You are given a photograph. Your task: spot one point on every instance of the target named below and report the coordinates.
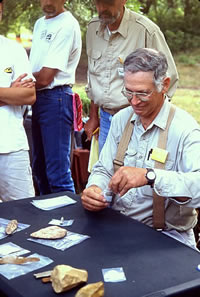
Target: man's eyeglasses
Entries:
(143, 96)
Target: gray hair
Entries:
(145, 60)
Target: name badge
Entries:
(120, 71)
(159, 155)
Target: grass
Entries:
(187, 95)
(189, 76)
(188, 100)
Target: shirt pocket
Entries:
(130, 158)
(94, 57)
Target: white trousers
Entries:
(16, 180)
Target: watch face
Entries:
(151, 175)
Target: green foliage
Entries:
(83, 11)
(174, 39)
(80, 89)
(133, 5)
(187, 60)
(188, 65)
(191, 57)
(178, 19)
(19, 13)
(188, 100)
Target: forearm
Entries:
(102, 171)
(44, 77)
(17, 96)
(98, 177)
(94, 111)
(174, 185)
(40, 83)
(93, 123)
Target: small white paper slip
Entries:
(65, 223)
(108, 195)
(120, 71)
(53, 203)
(11, 248)
(113, 275)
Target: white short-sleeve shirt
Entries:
(13, 63)
(57, 44)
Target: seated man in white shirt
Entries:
(171, 174)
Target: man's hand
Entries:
(126, 178)
(90, 126)
(92, 199)
(93, 123)
(20, 82)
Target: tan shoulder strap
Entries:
(158, 201)
(162, 141)
(123, 144)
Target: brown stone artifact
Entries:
(91, 290)
(18, 260)
(52, 232)
(11, 227)
(65, 277)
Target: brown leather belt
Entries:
(62, 86)
(113, 111)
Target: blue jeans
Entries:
(105, 121)
(52, 119)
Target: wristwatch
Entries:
(150, 176)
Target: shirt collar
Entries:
(162, 117)
(160, 120)
(123, 27)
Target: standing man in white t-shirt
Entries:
(16, 89)
(54, 56)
